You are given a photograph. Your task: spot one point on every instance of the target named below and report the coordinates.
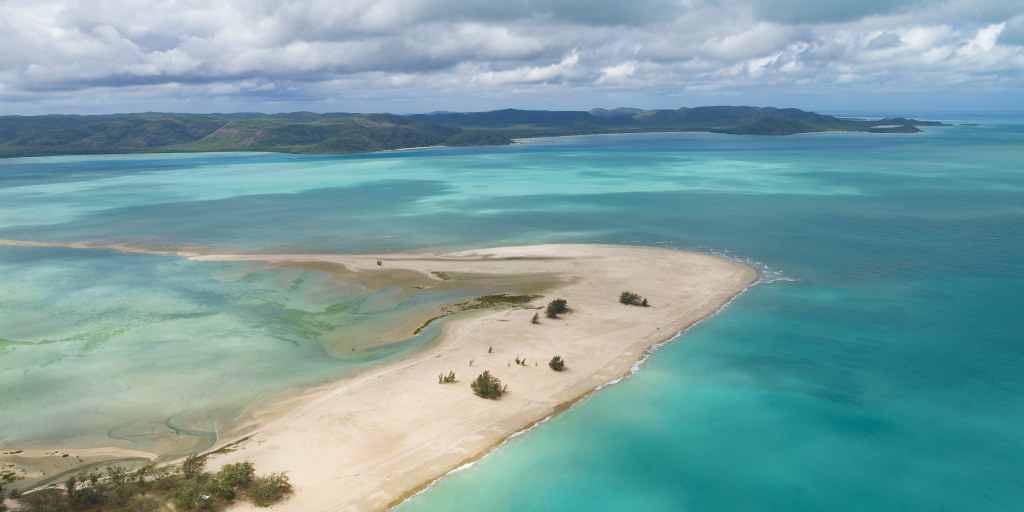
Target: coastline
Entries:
(370, 441)
(37, 152)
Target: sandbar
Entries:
(370, 441)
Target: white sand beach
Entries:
(370, 441)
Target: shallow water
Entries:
(160, 353)
(879, 366)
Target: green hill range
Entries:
(307, 132)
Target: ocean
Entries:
(877, 365)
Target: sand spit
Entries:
(175, 251)
(370, 441)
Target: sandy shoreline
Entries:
(370, 441)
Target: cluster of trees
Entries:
(446, 379)
(188, 487)
(632, 299)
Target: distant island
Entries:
(345, 133)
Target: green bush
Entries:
(152, 489)
(189, 494)
(487, 386)
(193, 466)
(234, 478)
(143, 504)
(267, 490)
(632, 299)
(46, 500)
(556, 363)
(556, 307)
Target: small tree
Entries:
(189, 495)
(556, 307)
(535, 319)
(487, 386)
(192, 467)
(233, 478)
(267, 490)
(143, 504)
(556, 363)
(632, 299)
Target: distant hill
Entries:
(309, 132)
(721, 119)
(298, 132)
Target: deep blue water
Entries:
(879, 366)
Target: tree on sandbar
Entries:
(632, 299)
(556, 307)
(487, 386)
(556, 363)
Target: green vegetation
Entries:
(487, 386)
(742, 120)
(535, 319)
(556, 363)
(307, 132)
(556, 307)
(6, 476)
(302, 132)
(487, 301)
(632, 299)
(446, 379)
(186, 487)
(267, 490)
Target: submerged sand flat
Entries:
(370, 441)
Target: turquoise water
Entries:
(164, 354)
(878, 366)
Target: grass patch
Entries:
(498, 300)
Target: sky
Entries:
(409, 56)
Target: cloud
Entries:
(1013, 32)
(884, 41)
(818, 11)
(366, 54)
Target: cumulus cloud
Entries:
(364, 55)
